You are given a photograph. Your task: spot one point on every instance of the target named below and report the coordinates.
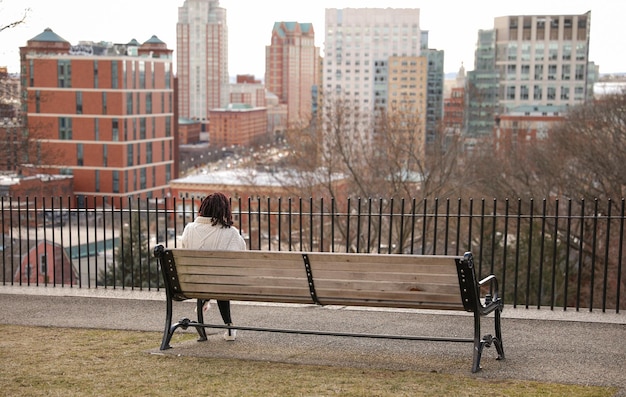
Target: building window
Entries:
(567, 52)
(115, 130)
(581, 52)
(149, 153)
(31, 73)
(97, 180)
(105, 155)
(43, 264)
(538, 72)
(512, 52)
(565, 72)
(553, 51)
(537, 93)
(149, 103)
(167, 75)
(551, 72)
(142, 74)
(129, 155)
(523, 92)
(511, 72)
(80, 160)
(539, 49)
(129, 103)
(114, 74)
(551, 93)
(79, 102)
(96, 129)
(65, 128)
(104, 103)
(142, 128)
(579, 93)
(510, 92)
(37, 101)
(95, 74)
(580, 72)
(64, 73)
(116, 181)
(565, 93)
(525, 72)
(143, 178)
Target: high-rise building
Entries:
(359, 46)
(356, 39)
(201, 58)
(101, 112)
(291, 62)
(529, 60)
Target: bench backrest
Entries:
(402, 281)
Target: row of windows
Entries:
(64, 74)
(139, 181)
(551, 52)
(540, 72)
(80, 154)
(65, 128)
(551, 93)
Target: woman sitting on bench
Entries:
(213, 230)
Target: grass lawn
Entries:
(42, 361)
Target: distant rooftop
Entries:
(49, 36)
(247, 177)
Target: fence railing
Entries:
(564, 254)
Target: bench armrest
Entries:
(492, 299)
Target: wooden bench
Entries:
(347, 279)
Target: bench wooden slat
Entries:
(320, 276)
(322, 261)
(239, 271)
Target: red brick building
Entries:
(237, 125)
(46, 263)
(526, 126)
(189, 131)
(106, 112)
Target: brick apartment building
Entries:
(238, 125)
(105, 113)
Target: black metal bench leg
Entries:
(478, 352)
(201, 330)
(497, 341)
(167, 332)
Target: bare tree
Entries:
(12, 24)
(374, 156)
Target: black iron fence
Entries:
(564, 254)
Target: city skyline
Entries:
(119, 22)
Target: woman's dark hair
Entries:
(217, 207)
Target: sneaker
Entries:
(230, 334)
(205, 307)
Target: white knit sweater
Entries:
(201, 234)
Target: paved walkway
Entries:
(542, 345)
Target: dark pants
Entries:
(224, 307)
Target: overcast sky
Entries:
(452, 24)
